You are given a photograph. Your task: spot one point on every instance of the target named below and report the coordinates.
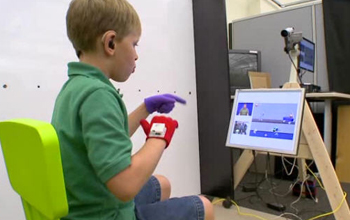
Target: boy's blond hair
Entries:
(89, 19)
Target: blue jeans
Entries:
(149, 207)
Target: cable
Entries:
(244, 198)
(287, 213)
(267, 167)
(301, 193)
(321, 185)
(319, 182)
(257, 190)
(307, 185)
(290, 57)
(239, 211)
(302, 73)
(310, 193)
(293, 165)
(332, 212)
(275, 197)
(289, 190)
(261, 181)
(291, 205)
(256, 169)
(295, 67)
(301, 189)
(252, 189)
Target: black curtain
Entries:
(337, 34)
(213, 96)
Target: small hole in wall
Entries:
(190, 93)
(139, 90)
(38, 86)
(4, 86)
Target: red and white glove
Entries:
(160, 127)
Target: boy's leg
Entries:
(164, 186)
(166, 191)
(189, 208)
(156, 189)
(152, 203)
(150, 192)
(208, 208)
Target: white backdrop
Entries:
(34, 51)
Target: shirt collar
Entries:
(84, 69)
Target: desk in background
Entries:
(327, 97)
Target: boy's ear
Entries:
(108, 42)
(111, 44)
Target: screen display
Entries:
(307, 55)
(240, 63)
(266, 120)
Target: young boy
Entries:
(103, 180)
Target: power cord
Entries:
(295, 67)
(321, 185)
(301, 193)
(238, 209)
(286, 213)
(277, 206)
(293, 165)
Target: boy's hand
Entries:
(161, 127)
(162, 103)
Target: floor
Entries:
(222, 213)
(297, 208)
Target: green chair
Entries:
(33, 161)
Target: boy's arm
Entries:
(135, 117)
(127, 184)
(159, 103)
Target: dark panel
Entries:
(213, 97)
(230, 46)
(337, 34)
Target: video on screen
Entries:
(267, 120)
(244, 109)
(241, 127)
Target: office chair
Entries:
(33, 161)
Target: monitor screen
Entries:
(307, 55)
(266, 120)
(240, 63)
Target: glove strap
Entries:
(158, 130)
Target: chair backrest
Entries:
(33, 161)
(259, 80)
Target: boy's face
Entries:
(125, 56)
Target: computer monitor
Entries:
(240, 63)
(307, 55)
(267, 120)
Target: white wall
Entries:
(236, 9)
(267, 6)
(34, 51)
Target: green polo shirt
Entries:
(92, 126)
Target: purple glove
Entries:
(162, 103)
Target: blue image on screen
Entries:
(307, 55)
(272, 120)
(244, 109)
